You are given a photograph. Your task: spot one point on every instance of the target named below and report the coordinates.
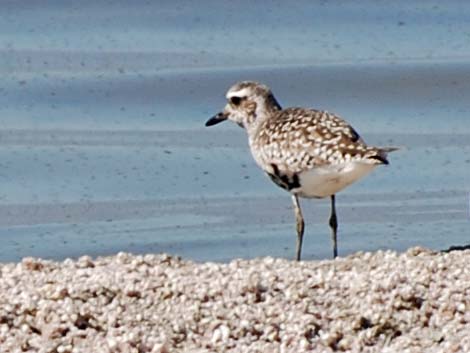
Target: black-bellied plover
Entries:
(310, 153)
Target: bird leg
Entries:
(300, 225)
(334, 226)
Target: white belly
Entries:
(328, 180)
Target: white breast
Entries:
(328, 180)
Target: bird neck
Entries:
(255, 126)
(265, 110)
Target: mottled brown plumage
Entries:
(310, 153)
(298, 139)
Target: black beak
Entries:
(218, 118)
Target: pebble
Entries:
(368, 302)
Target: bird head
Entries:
(248, 103)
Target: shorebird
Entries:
(310, 153)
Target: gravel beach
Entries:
(418, 301)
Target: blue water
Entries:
(103, 148)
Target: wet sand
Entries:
(179, 188)
(103, 149)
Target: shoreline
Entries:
(375, 302)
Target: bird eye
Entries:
(235, 100)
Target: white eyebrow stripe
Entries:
(240, 93)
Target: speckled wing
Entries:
(298, 139)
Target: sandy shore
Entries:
(368, 302)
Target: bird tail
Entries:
(389, 149)
(379, 154)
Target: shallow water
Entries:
(104, 150)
